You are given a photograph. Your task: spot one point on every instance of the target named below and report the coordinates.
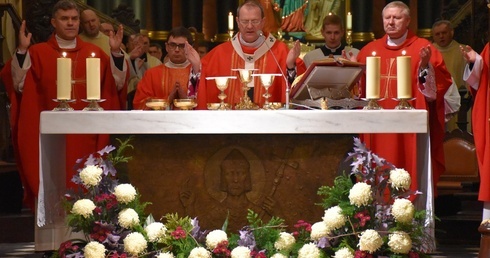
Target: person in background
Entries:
(34, 76)
(442, 34)
(250, 49)
(332, 31)
(156, 51)
(91, 30)
(202, 48)
(430, 82)
(477, 77)
(178, 78)
(106, 28)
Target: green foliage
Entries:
(119, 156)
(265, 234)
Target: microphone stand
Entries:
(280, 69)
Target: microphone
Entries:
(261, 34)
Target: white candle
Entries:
(403, 75)
(63, 77)
(372, 76)
(349, 21)
(230, 21)
(93, 77)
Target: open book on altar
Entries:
(329, 78)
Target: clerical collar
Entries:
(170, 64)
(397, 42)
(331, 51)
(66, 44)
(254, 44)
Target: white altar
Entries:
(51, 231)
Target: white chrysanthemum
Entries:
(360, 194)
(155, 231)
(83, 207)
(279, 255)
(370, 241)
(403, 210)
(135, 243)
(309, 250)
(128, 218)
(94, 249)
(166, 255)
(125, 193)
(199, 252)
(400, 179)
(400, 242)
(333, 218)
(343, 252)
(319, 230)
(240, 252)
(215, 237)
(91, 175)
(285, 241)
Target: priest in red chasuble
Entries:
(34, 71)
(249, 49)
(476, 75)
(430, 81)
(175, 79)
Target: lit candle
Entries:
(63, 77)
(372, 76)
(349, 21)
(403, 75)
(230, 21)
(93, 77)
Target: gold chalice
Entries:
(222, 85)
(157, 104)
(245, 78)
(185, 104)
(266, 79)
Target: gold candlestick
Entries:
(348, 38)
(403, 104)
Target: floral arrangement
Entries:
(367, 214)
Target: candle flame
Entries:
(404, 52)
(374, 53)
(93, 54)
(329, 13)
(230, 14)
(348, 13)
(64, 54)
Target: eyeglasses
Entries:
(247, 22)
(173, 45)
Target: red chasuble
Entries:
(158, 82)
(401, 149)
(232, 55)
(481, 128)
(38, 94)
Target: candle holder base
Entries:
(372, 105)
(63, 104)
(93, 105)
(403, 104)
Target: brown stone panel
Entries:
(182, 174)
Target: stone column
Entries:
(428, 11)
(192, 14)
(362, 17)
(162, 15)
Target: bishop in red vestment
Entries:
(479, 85)
(249, 49)
(39, 90)
(428, 91)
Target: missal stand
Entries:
(328, 84)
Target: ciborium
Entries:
(267, 79)
(245, 78)
(222, 85)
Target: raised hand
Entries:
(425, 54)
(468, 53)
(193, 57)
(24, 39)
(115, 40)
(293, 53)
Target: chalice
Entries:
(266, 79)
(222, 85)
(245, 78)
